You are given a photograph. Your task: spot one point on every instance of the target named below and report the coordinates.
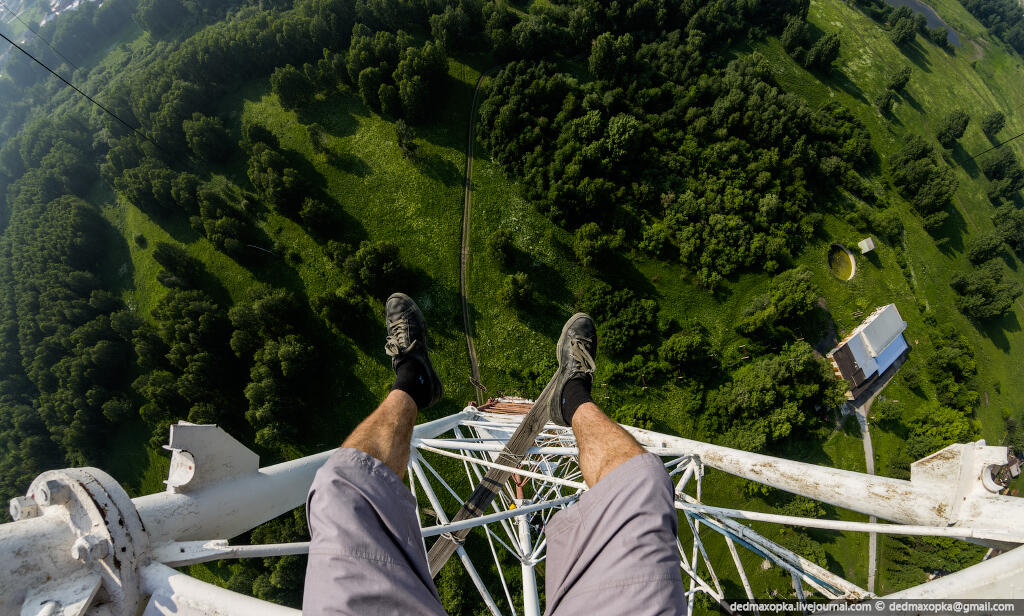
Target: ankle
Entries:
(575, 394)
(411, 378)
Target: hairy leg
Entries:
(386, 434)
(603, 443)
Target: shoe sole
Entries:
(438, 386)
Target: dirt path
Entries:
(474, 363)
(979, 51)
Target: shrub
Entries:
(516, 291)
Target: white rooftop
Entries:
(866, 245)
(880, 328)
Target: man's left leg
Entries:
(366, 555)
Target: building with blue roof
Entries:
(870, 349)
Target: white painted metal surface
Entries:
(79, 543)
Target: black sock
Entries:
(411, 377)
(575, 393)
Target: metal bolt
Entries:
(53, 492)
(23, 508)
(89, 548)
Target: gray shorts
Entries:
(613, 552)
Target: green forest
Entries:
(219, 252)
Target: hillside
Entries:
(680, 177)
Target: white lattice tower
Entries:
(79, 545)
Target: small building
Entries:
(866, 245)
(870, 349)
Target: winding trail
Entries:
(474, 363)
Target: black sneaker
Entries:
(407, 340)
(576, 349)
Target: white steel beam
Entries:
(531, 600)
(229, 508)
(234, 505)
(177, 594)
(926, 502)
(957, 532)
(996, 578)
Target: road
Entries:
(474, 363)
(869, 459)
(861, 406)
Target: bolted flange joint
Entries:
(91, 541)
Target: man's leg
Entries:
(603, 444)
(614, 551)
(387, 432)
(366, 555)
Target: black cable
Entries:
(75, 88)
(54, 49)
(1018, 136)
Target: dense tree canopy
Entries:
(923, 182)
(952, 127)
(1004, 18)
(771, 397)
(993, 122)
(982, 293)
(790, 298)
(592, 159)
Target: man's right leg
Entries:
(614, 551)
(366, 554)
(603, 444)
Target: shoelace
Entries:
(398, 338)
(582, 360)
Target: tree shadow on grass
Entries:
(996, 329)
(274, 270)
(544, 316)
(909, 98)
(892, 118)
(618, 271)
(175, 224)
(447, 128)
(950, 237)
(117, 271)
(438, 168)
(548, 281)
(345, 399)
(964, 159)
(336, 113)
(915, 53)
(348, 162)
(339, 225)
(1008, 259)
(838, 79)
(309, 174)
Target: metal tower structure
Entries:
(79, 545)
